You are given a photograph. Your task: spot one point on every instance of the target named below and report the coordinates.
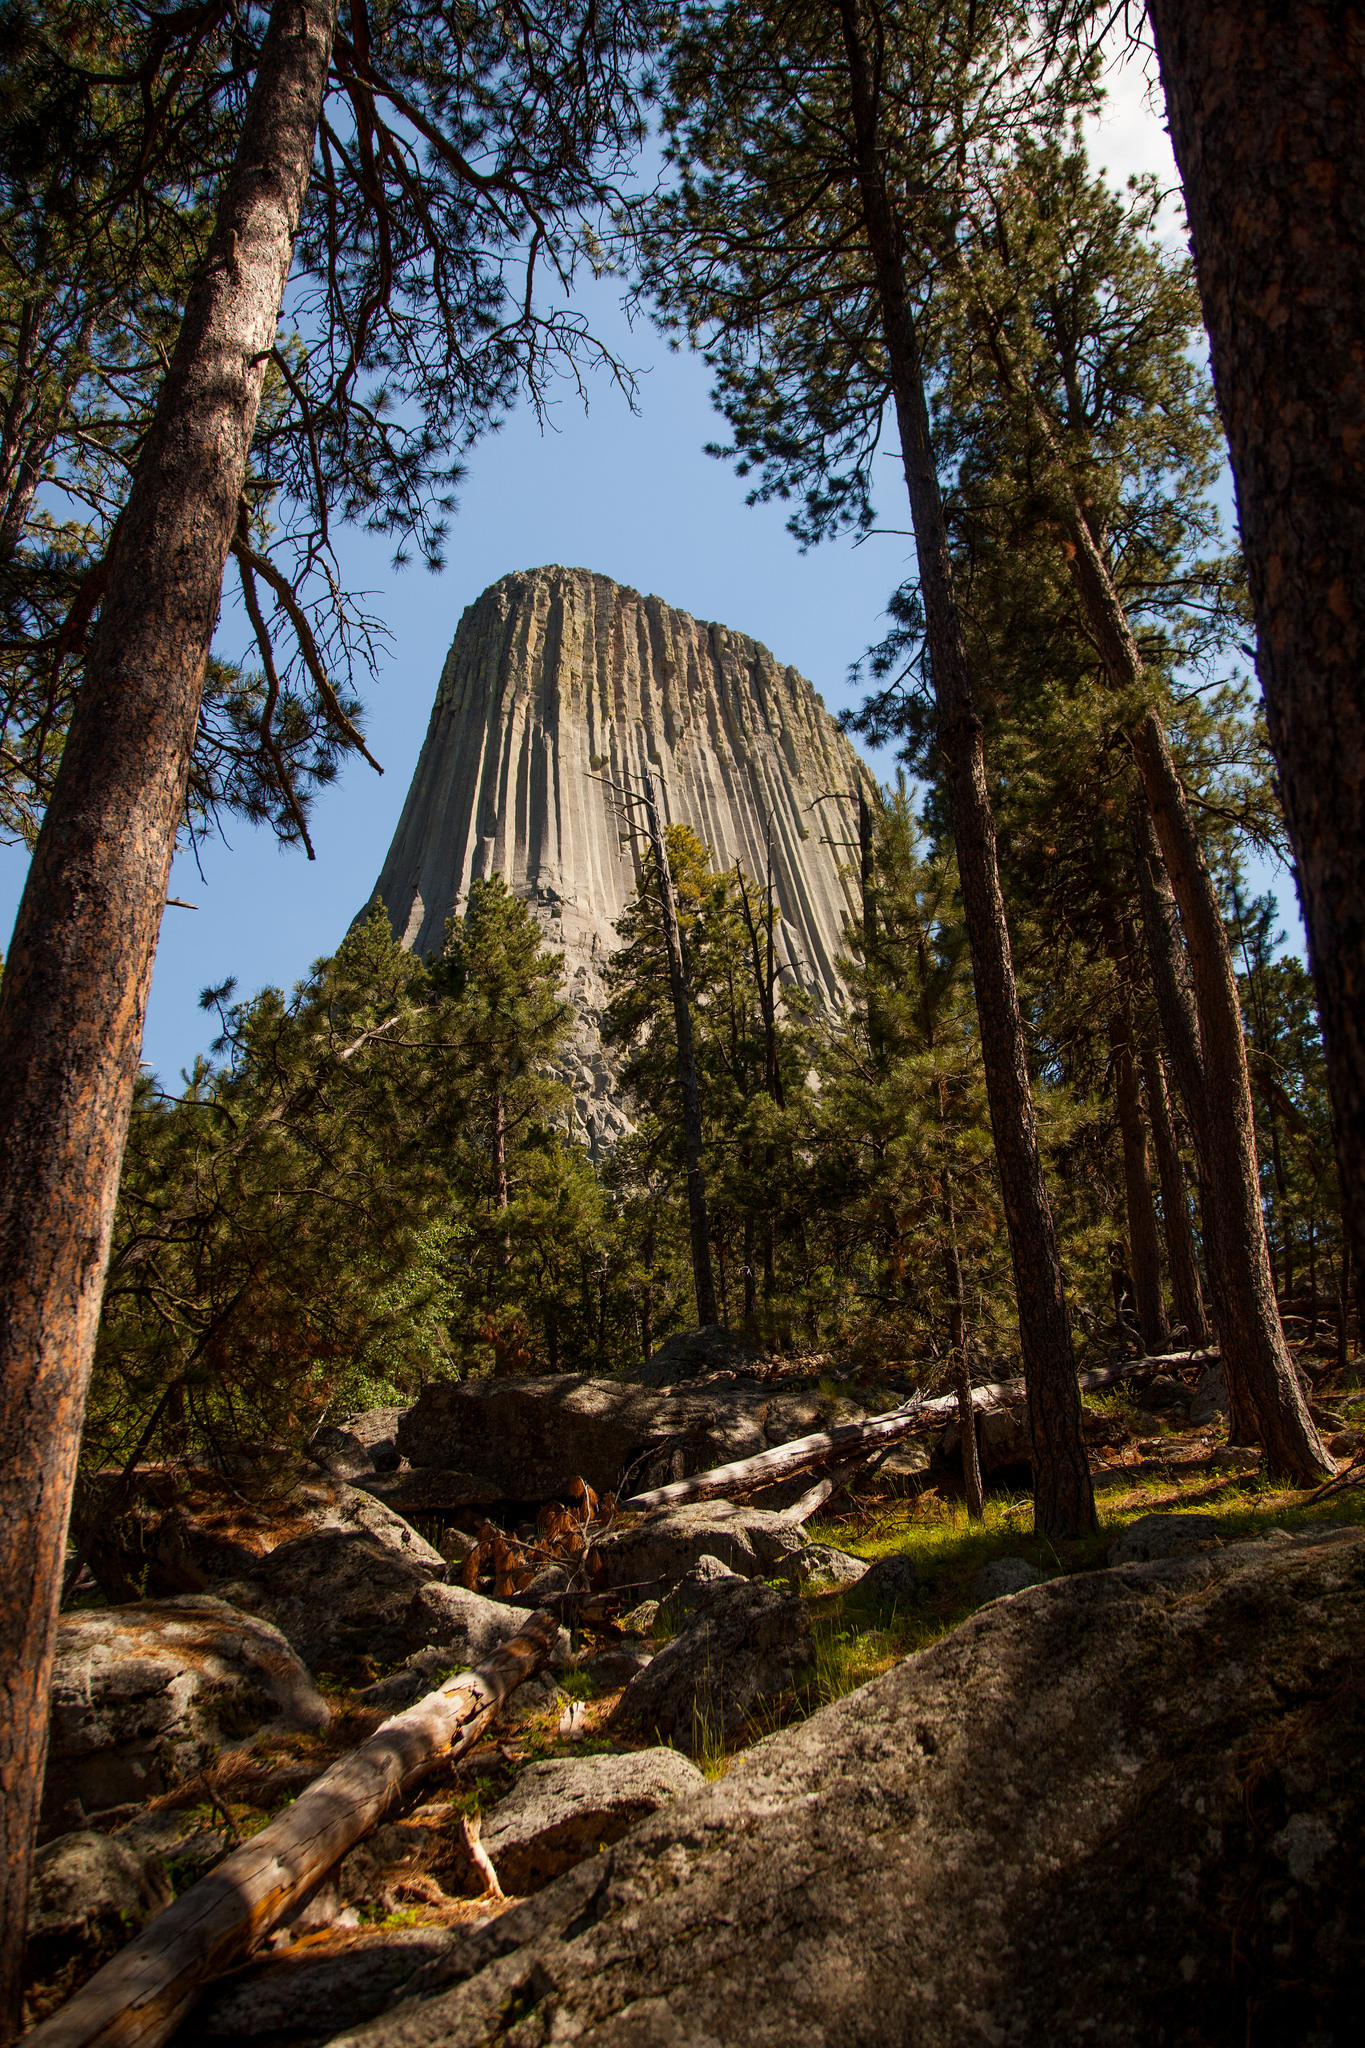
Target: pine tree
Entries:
(401, 248)
(1067, 362)
(795, 249)
(1265, 114)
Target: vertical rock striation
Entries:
(560, 682)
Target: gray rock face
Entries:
(307, 1995)
(1209, 1400)
(820, 1564)
(140, 1694)
(892, 1581)
(689, 1353)
(90, 1895)
(1003, 1576)
(559, 678)
(669, 1542)
(1152, 1537)
(1002, 1434)
(746, 1643)
(559, 1812)
(187, 1528)
(1035, 1831)
(467, 1625)
(530, 1438)
(698, 1585)
(339, 1596)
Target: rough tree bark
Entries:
(76, 979)
(1267, 119)
(1254, 1351)
(1143, 1243)
(687, 1066)
(1181, 1256)
(1063, 1501)
(1180, 1027)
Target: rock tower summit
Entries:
(559, 681)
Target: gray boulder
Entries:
(339, 1596)
(142, 1694)
(306, 1995)
(340, 1453)
(1003, 1436)
(891, 1582)
(690, 1353)
(376, 1430)
(1003, 1576)
(697, 1587)
(968, 1851)
(616, 1666)
(468, 1626)
(429, 1492)
(1209, 1401)
(529, 1439)
(90, 1894)
(1152, 1537)
(666, 1544)
(748, 1643)
(187, 1529)
(560, 1811)
(820, 1564)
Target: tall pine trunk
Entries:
(76, 981)
(688, 1086)
(1267, 119)
(1254, 1352)
(1143, 1242)
(1181, 1257)
(1063, 1500)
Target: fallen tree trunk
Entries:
(786, 1460)
(142, 1995)
(746, 1475)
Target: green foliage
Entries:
(463, 152)
(313, 1225)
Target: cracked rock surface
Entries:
(1123, 1808)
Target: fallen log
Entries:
(746, 1475)
(785, 1460)
(141, 1995)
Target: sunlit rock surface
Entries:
(560, 683)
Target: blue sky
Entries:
(631, 496)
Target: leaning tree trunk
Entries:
(76, 981)
(688, 1086)
(1267, 119)
(1175, 1214)
(1254, 1351)
(1180, 1029)
(1143, 1242)
(1063, 1501)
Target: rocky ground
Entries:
(1114, 1797)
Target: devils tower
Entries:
(560, 682)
